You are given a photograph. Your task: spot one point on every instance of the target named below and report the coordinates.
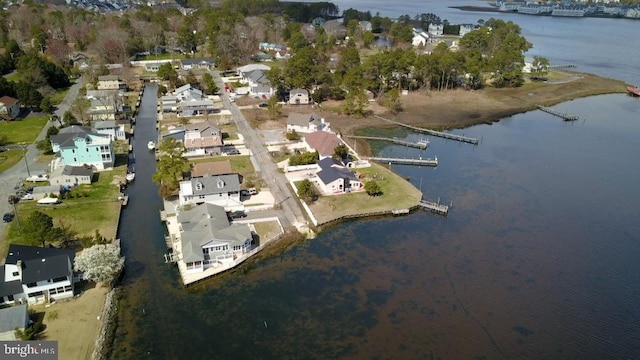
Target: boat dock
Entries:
(406, 161)
(434, 207)
(441, 134)
(422, 144)
(564, 116)
(563, 66)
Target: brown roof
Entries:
(211, 168)
(8, 101)
(324, 142)
(203, 142)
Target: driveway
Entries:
(12, 177)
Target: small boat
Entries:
(633, 90)
(131, 174)
(151, 145)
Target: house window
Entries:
(199, 186)
(87, 149)
(15, 273)
(31, 284)
(75, 160)
(58, 279)
(73, 151)
(220, 184)
(37, 293)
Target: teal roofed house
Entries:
(79, 145)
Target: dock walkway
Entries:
(564, 116)
(422, 144)
(406, 161)
(441, 134)
(434, 207)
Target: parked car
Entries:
(27, 196)
(13, 199)
(232, 152)
(263, 105)
(7, 217)
(237, 214)
(39, 177)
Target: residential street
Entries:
(12, 178)
(275, 180)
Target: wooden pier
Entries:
(434, 207)
(401, 161)
(422, 144)
(564, 116)
(441, 134)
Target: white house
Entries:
(420, 38)
(34, 275)
(71, 176)
(110, 128)
(208, 238)
(436, 29)
(9, 106)
(111, 82)
(299, 97)
(222, 190)
(306, 123)
(334, 178)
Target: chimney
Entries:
(19, 265)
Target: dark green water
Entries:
(538, 259)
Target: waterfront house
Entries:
(11, 319)
(208, 239)
(110, 128)
(436, 29)
(79, 145)
(222, 190)
(305, 123)
(9, 106)
(35, 275)
(335, 178)
(200, 139)
(68, 175)
(299, 97)
(323, 142)
(111, 82)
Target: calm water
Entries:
(538, 258)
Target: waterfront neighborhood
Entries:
(242, 145)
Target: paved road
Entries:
(276, 181)
(11, 178)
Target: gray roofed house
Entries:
(11, 318)
(335, 178)
(202, 63)
(71, 175)
(67, 135)
(110, 128)
(44, 274)
(305, 123)
(79, 145)
(208, 238)
(223, 190)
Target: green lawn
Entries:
(164, 56)
(58, 97)
(397, 193)
(23, 131)
(9, 158)
(98, 210)
(239, 163)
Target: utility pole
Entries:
(15, 212)
(26, 162)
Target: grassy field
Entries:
(239, 163)
(267, 230)
(93, 207)
(58, 97)
(9, 158)
(23, 131)
(397, 193)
